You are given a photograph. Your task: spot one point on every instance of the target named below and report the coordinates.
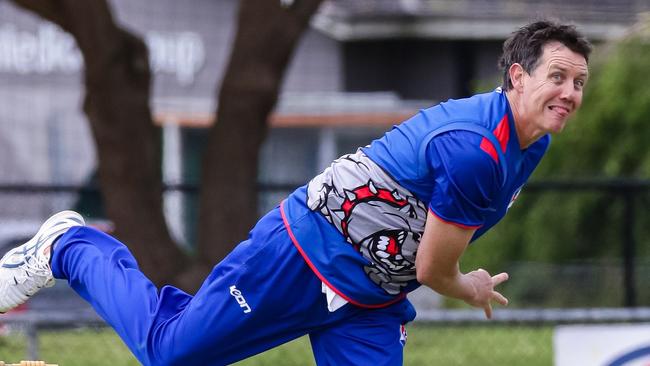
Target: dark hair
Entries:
(525, 45)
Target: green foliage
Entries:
(608, 138)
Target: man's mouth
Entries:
(562, 111)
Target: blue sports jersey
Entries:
(358, 224)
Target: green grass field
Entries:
(427, 345)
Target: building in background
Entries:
(363, 66)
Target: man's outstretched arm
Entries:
(437, 266)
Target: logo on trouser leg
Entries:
(240, 299)
(402, 335)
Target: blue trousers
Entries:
(261, 295)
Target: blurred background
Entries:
(175, 125)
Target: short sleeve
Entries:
(466, 178)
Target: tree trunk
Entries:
(117, 79)
(267, 35)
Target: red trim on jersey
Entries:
(502, 133)
(487, 146)
(470, 227)
(322, 278)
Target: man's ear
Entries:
(516, 72)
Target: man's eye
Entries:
(556, 77)
(579, 83)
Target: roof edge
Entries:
(348, 30)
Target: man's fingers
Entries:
(500, 278)
(485, 290)
(488, 311)
(499, 298)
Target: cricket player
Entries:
(337, 257)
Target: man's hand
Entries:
(484, 293)
(437, 266)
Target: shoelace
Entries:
(35, 265)
(40, 265)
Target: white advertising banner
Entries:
(602, 345)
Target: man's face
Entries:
(553, 90)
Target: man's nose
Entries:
(570, 93)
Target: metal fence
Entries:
(631, 193)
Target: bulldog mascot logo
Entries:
(382, 220)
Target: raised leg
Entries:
(262, 295)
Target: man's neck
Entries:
(526, 132)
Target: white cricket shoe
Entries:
(26, 269)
